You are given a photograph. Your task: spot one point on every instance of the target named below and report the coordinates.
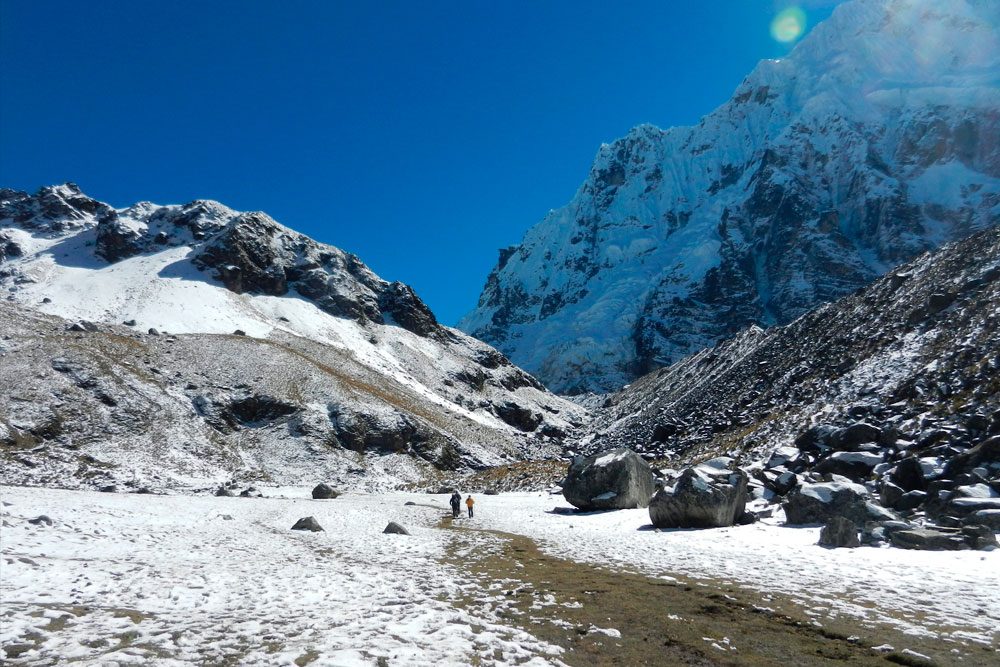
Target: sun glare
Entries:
(788, 25)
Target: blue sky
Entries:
(420, 136)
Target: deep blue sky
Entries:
(421, 136)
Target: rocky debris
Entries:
(839, 532)
(251, 492)
(308, 523)
(818, 503)
(846, 394)
(41, 520)
(944, 539)
(153, 332)
(324, 491)
(393, 528)
(711, 495)
(617, 479)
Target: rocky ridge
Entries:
(184, 346)
(875, 140)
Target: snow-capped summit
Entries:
(286, 358)
(874, 140)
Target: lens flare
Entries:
(788, 25)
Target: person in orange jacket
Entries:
(469, 502)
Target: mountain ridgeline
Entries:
(876, 139)
(183, 346)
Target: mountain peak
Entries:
(824, 170)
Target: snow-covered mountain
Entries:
(876, 139)
(227, 344)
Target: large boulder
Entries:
(856, 434)
(853, 465)
(986, 453)
(909, 475)
(839, 532)
(711, 495)
(323, 491)
(618, 479)
(818, 503)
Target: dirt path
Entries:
(604, 617)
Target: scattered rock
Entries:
(308, 523)
(324, 491)
(41, 520)
(153, 332)
(617, 479)
(224, 492)
(394, 528)
(839, 532)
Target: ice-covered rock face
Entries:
(878, 138)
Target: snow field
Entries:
(171, 580)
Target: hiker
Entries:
(469, 502)
(456, 501)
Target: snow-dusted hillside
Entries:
(227, 345)
(876, 139)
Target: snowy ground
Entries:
(952, 596)
(138, 579)
(133, 579)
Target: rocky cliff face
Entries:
(874, 141)
(176, 346)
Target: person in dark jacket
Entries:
(456, 504)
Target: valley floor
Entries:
(165, 580)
